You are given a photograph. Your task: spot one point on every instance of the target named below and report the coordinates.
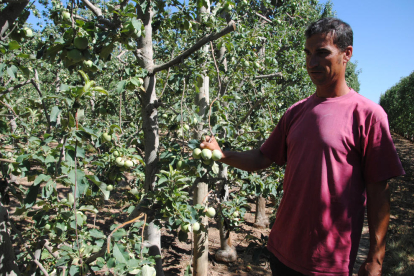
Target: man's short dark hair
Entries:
(341, 31)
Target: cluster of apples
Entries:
(195, 227)
(207, 155)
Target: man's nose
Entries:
(312, 61)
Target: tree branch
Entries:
(98, 12)
(17, 86)
(229, 28)
(278, 74)
(264, 18)
(35, 83)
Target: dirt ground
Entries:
(400, 245)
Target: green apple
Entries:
(186, 127)
(210, 212)
(119, 162)
(28, 32)
(75, 55)
(109, 187)
(196, 226)
(128, 164)
(197, 153)
(65, 15)
(88, 63)
(208, 162)
(185, 227)
(216, 155)
(81, 42)
(106, 137)
(206, 154)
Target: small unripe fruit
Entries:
(71, 199)
(66, 15)
(116, 153)
(211, 212)
(47, 226)
(181, 165)
(88, 63)
(216, 155)
(208, 162)
(109, 187)
(185, 227)
(81, 43)
(197, 153)
(128, 164)
(196, 226)
(119, 162)
(28, 32)
(186, 127)
(206, 154)
(75, 55)
(106, 137)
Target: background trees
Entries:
(398, 102)
(101, 97)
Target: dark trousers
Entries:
(279, 269)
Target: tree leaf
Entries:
(120, 87)
(119, 254)
(148, 271)
(13, 45)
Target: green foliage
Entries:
(351, 76)
(398, 102)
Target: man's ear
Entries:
(348, 54)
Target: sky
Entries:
(383, 41)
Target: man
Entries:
(339, 155)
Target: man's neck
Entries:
(332, 91)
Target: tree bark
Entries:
(227, 252)
(261, 220)
(200, 258)
(8, 265)
(149, 114)
(9, 14)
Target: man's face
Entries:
(325, 62)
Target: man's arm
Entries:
(378, 212)
(252, 160)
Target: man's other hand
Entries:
(370, 269)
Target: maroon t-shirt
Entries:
(331, 148)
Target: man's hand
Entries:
(211, 144)
(252, 160)
(370, 269)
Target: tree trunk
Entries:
(8, 265)
(261, 220)
(227, 252)
(9, 14)
(200, 258)
(150, 127)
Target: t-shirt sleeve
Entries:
(275, 147)
(380, 160)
